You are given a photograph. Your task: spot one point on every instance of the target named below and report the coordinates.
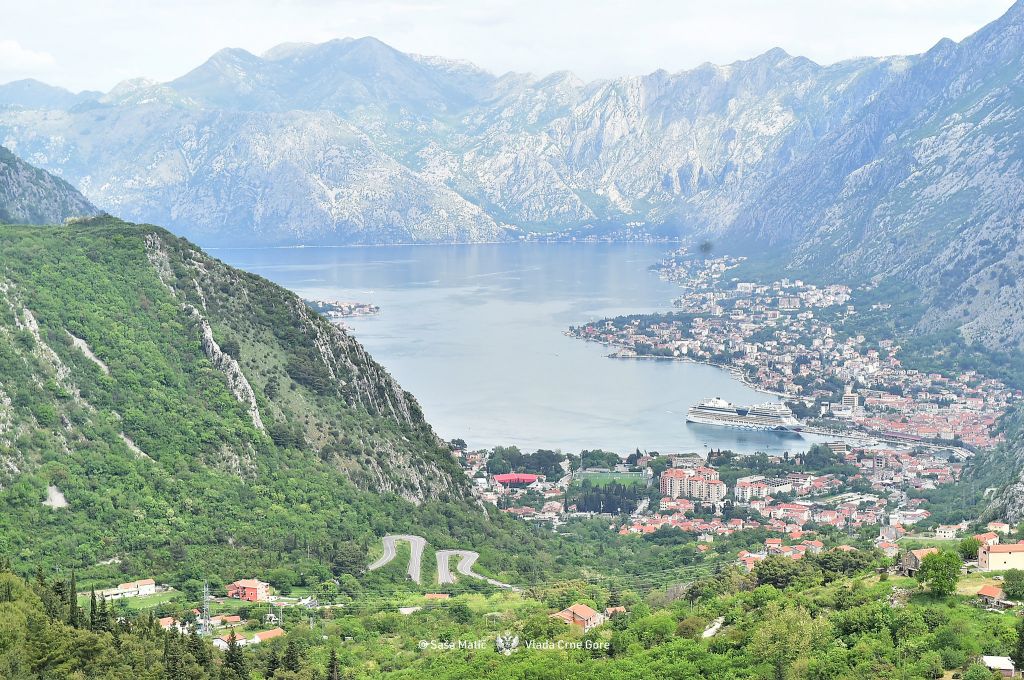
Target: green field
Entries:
(604, 478)
(137, 603)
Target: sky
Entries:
(94, 44)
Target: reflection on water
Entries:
(475, 332)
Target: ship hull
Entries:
(740, 424)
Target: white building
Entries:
(146, 586)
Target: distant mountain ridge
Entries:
(29, 195)
(906, 166)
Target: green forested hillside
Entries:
(199, 420)
(829, 617)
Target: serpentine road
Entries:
(416, 544)
(467, 558)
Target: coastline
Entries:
(731, 370)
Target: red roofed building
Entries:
(249, 589)
(581, 616)
(912, 560)
(997, 557)
(991, 594)
(516, 479)
(267, 635)
(988, 538)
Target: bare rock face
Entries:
(902, 166)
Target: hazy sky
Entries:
(96, 43)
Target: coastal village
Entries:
(784, 338)
(689, 483)
(798, 511)
(335, 310)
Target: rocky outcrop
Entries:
(237, 382)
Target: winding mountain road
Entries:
(416, 545)
(467, 558)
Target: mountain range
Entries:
(869, 168)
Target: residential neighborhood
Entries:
(783, 338)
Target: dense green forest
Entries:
(828, 617)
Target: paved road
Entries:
(467, 558)
(712, 630)
(416, 544)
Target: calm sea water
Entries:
(476, 333)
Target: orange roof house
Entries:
(991, 592)
(581, 616)
(268, 635)
(912, 559)
(988, 538)
(249, 589)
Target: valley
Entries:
(716, 373)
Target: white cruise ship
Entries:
(768, 416)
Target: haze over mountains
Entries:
(904, 165)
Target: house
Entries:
(912, 559)
(998, 527)
(1002, 664)
(249, 589)
(988, 538)
(999, 557)
(993, 596)
(581, 616)
(222, 642)
(267, 635)
(141, 588)
(609, 612)
(945, 532)
(226, 620)
(888, 548)
(437, 596)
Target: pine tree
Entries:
(233, 658)
(93, 613)
(103, 615)
(333, 668)
(198, 650)
(174, 666)
(59, 589)
(74, 620)
(116, 631)
(292, 659)
(273, 663)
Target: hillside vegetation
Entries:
(161, 409)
